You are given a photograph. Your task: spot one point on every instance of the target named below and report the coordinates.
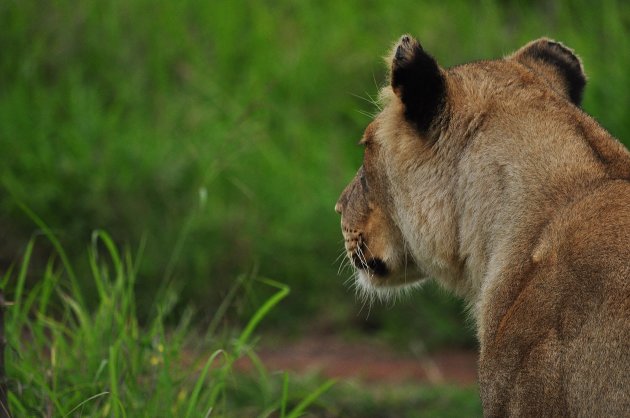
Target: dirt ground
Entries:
(366, 361)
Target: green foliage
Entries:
(65, 360)
(220, 133)
(215, 137)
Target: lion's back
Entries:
(595, 319)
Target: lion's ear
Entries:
(418, 81)
(556, 63)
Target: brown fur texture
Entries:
(489, 178)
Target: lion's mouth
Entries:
(373, 265)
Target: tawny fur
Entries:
(519, 202)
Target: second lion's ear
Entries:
(557, 63)
(418, 81)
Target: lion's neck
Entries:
(505, 208)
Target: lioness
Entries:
(490, 178)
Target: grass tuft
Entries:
(66, 360)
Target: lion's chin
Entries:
(369, 284)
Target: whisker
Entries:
(367, 299)
(350, 282)
(377, 102)
(367, 114)
(343, 253)
(345, 265)
(369, 98)
(360, 254)
(364, 260)
(368, 248)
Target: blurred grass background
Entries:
(220, 133)
(213, 137)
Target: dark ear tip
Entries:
(561, 48)
(551, 50)
(417, 80)
(405, 50)
(562, 59)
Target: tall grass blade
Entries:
(49, 283)
(194, 397)
(21, 279)
(285, 394)
(312, 397)
(76, 289)
(111, 249)
(6, 277)
(223, 307)
(91, 398)
(263, 310)
(113, 380)
(19, 313)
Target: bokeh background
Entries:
(211, 139)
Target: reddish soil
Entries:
(369, 362)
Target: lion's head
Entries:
(405, 215)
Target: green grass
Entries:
(213, 138)
(64, 359)
(220, 133)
